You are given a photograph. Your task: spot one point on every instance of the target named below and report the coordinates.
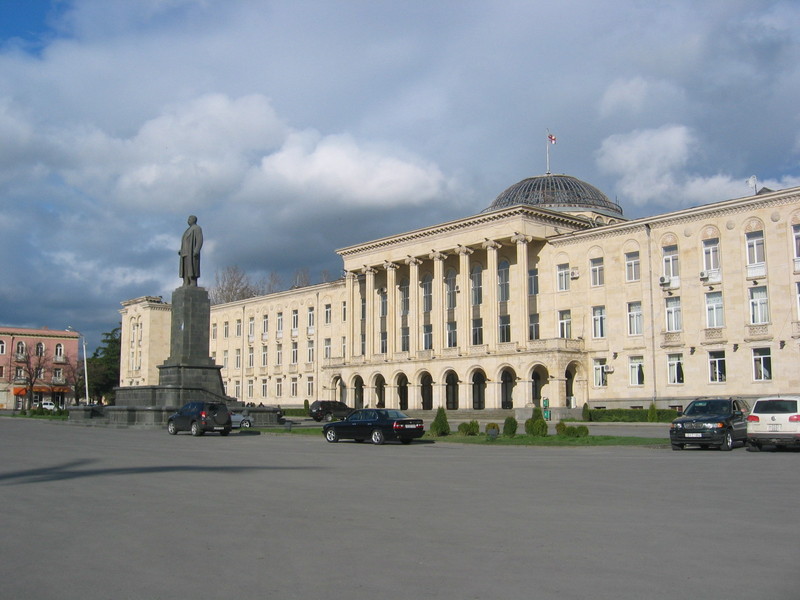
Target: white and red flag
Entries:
(552, 138)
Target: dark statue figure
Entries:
(191, 243)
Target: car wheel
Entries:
(377, 437)
(727, 442)
(246, 423)
(317, 418)
(171, 428)
(332, 436)
(329, 417)
(196, 429)
(753, 447)
(677, 446)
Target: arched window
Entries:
(478, 390)
(502, 281)
(507, 383)
(2, 347)
(402, 392)
(427, 391)
(451, 391)
(450, 288)
(20, 348)
(59, 350)
(40, 349)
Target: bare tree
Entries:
(301, 278)
(325, 276)
(274, 283)
(232, 284)
(31, 367)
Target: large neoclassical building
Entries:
(549, 296)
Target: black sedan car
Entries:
(377, 424)
(711, 422)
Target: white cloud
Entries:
(639, 95)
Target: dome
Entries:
(557, 192)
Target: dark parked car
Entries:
(711, 422)
(199, 417)
(377, 424)
(328, 410)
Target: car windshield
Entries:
(708, 407)
(395, 414)
(775, 406)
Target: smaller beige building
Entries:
(548, 297)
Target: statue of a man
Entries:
(191, 243)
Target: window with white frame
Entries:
(225, 330)
(311, 317)
(670, 259)
(598, 322)
(533, 326)
(632, 267)
(450, 288)
(711, 254)
(310, 386)
(251, 326)
(2, 347)
(238, 328)
(634, 318)
(476, 285)
(250, 357)
(264, 355)
(565, 324)
(600, 376)
(562, 277)
(404, 297)
(427, 293)
(477, 332)
(716, 366)
(452, 334)
(59, 351)
(715, 315)
(264, 388)
(279, 324)
(279, 387)
(796, 235)
(326, 348)
(383, 298)
(405, 342)
(344, 345)
(293, 387)
(504, 329)
(759, 305)
(796, 292)
(762, 364)
(295, 321)
(363, 309)
(238, 360)
(328, 314)
(279, 354)
(533, 282)
(675, 368)
(213, 332)
(363, 345)
(427, 337)
(597, 272)
(344, 311)
(503, 291)
(294, 353)
(310, 351)
(237, 389)
(636, 370)
(225, 359)
(755, 248)
(249, 388)
(384, 343)
(265, 324)
(673, 314)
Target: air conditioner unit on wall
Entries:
(574, 274)
(608, 369)
(663, 280)
(704, 275)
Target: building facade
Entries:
(549, 297)
(43, 362)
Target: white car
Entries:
(48, 405)
(774, 420)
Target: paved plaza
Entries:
(95, 513)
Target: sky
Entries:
(294, 128)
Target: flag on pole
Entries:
(552, 138)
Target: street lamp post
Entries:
(85, 368)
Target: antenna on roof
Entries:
(551, 139)
(753, 182)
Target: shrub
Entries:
(652, 413)
(583, 431)
(510, 427)
(528, 426)
(537, 414)
(561, 428)
(586, 414)
(631, 415)
(440, 427)
(492, 430)
(539, 428)
(470, 428)
(306, 406)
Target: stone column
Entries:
(392, 344)
(463, 299)
(491, 322)
(369, 321)
(519, 311)
(437, 308)
(413, 307)
(352, 312)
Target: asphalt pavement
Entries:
(95, 513)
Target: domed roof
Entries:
(559, 192)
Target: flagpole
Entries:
(551, 139)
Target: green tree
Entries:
(104, 367)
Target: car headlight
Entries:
(714, 425)
(676, 426)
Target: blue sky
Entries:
(292, 128)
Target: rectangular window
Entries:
(759, 305)
(450, 289)
(328, 314)
(249, 388)
(427, 294)
(762, 364)
(533, 326)
(363, 309)
(384, 343)
(238, 328)
(238, 362)
(797, 295)
(326, 348)
(632, 267)
(715, 316)
(505, 329)
(295, 321)
(384, 303)
(670, 257)
(600, 376)
(452, 334)
(562, 277)
(634, 318)
(675, 368)
(225, 359)
(213, 332)
(251, 326)
(250, 357)
(293, 387)
(225, 329)
(711, 254)
(716, 366)
(636, 370)
(310, 351)
(279, 355)
(476, 283)
(673, 313)
(404, 297)
(344, 346)
(280, 324)
(755, 248)
(264, 355)
(279, 387)
(598, 322)
(310, 386)
(427, 337)
(597, 272)
(264, 388)
(533, 282)
(344, 311)
(796, 234)
(265, 325)
(477, 332)
(405, 343)
(294, 353)
(363, 344)
(564, 324)
(311, 317)
(237, 389)
(503, 288)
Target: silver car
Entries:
(775, 421)
(240, 421)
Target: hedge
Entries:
(631, 415)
